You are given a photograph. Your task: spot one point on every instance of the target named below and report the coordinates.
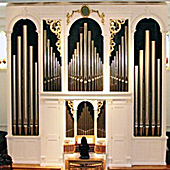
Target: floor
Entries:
(37, 167)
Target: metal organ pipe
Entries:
(153, 56)
(141, 67)
(36, 99)
(126, 58)
(89, 60)
(51, 68)
(158, 96)
(54, 72)
(81, 62)
(25, 79)
(45, 60)
(136, 99)
(30, 118)
(78, 65)
(147, 78)
(123, 62)
(48, 64)
(75, 69)
(19, 89)
(14, 95)
(95, 67)
(117, 71)
(120, 67)
(92, 44)
(85, 56)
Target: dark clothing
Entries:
(84, 151)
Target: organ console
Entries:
(94, 147)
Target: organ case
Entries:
(119, 78)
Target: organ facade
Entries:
(96, 70)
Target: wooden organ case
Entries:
(96, 70)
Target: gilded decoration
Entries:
(85, 12)
(99, 105)
(55, 27)
(115, 27)
(71, 105)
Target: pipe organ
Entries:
(24, 81)
(94, 70)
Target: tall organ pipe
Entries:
(117, 71)
(14, 94)
(30, 118)
(95, 68)
(81, 61)
(141, 67)
(19, 82)
(126, 58)
(123, 61)
(78, 65)
(85, 56)
(48, 64)
(120, 68)
(158, 96)
(51, 68)
(92, 47)
(54, 72)
(147, 78)
(97, 71)
(36, 99)
(45, 60)
(75, 70)
(136, 99)
(89, 60)
(25, 79)
(153, 85)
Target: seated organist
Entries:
(84, 144)
(84, 148)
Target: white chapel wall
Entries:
(3, 79)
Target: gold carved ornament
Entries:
(99, 105)
(115, 27)
(55, 27)
(85, 12)
(71, 105)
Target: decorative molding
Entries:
(71, 105)
(55, 27)
(115, 27)
(99, 105)
(85, 14)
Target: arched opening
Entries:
(24, 72)
(148, 78)
(85, 56)
(85, 119)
